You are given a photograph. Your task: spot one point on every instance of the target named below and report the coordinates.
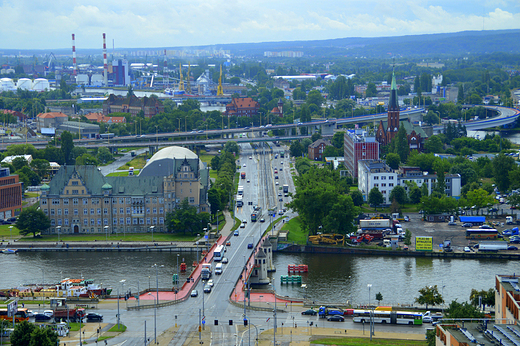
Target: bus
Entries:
(21, 315)
(240, 201)
(218, 254)
(390, 317)
(481, 233)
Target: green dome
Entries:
(107, 186)
(45, 187)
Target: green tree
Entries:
(375, 197)
(232, 147)
(32, 178)
(502, 165)
(415, 195)
(371, 90)
(86, 160)
(32, 220)
(484, 297)
(462, 310)
(338, 140)
(215, 199)
(398, 194)
(393, 160)
(467, 173)
(67, 145)
(41, 166)
(433, 145)
(379, 298)
(104, 155)
(314, 98)
(19, 162)
(21, 336)
(401, 144)
(357, 198)
(431, 118)
(296, 148)
(429, 295)
(44, 337)
(479, 198)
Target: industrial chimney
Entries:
(105, 63)
(75, 66)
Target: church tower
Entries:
(393, 112)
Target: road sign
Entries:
(12, 308)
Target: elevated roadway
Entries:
(506, 116)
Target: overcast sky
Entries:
(40, 24)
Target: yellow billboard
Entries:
(423, 244)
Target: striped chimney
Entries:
(105, 63)
(75, 66)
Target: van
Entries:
(218, 269)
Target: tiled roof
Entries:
(318, 142)
(52, 115)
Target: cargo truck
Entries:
(62, 312)
(240, 190)
(240, 201)
(205, 273)
(243, 175)
(373, 224)
(492, 246)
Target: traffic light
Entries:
(216, 322)
(245, 321)
(230, 322)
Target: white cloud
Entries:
(162, 23)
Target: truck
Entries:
(325, 311)
(397, 216)
(240, 202)
(240, 190)
(492, 246)
(428, 317)
(243, 175)
(205, 273)
(375, 233)
(509, 220)
(286, 188)
(62, 312)
(375, 224)
(132, 153)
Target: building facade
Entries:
(79, 199)
(386, 132)
(242, 107)
(150, 106)
(315, 150)
(414, 174)
(50, 120)
(359, 145)
(376, 173)
(507, 299)
(11, 191)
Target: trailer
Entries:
(62, 312)
(375, 224)
(492, 246)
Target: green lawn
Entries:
(31, 194)
(113, 237)
(213, 174)
(296, 234)
(121, 328)
(5, 232)
(138, 162)
(122, 173)
(366, 341)
(206, 158)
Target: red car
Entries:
(228, 243)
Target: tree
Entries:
(86, 160)
(484, 297)
(28, 334)
(296, 149)
(401, 145)
(314, 97)
(371, 90)
(375, 197)
(41, 166)
(19, 162)
(67, 145)
(338, 140)
(414, 194)
(32, 220)
(462, 310)
(215, 199)
(232, 147)
(357, 198)
(398, 194)
(502, 165)
(479, 198)
(393, 160)
(429, 295)
(379, 298)
(21, 336)
(431, 118)
(433, 145)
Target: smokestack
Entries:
(75, 66)
(105, 63)
(165, 62)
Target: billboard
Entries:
(423, 244)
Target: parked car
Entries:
(467, 224)
(406, 218)
(452, 223)
(236, 234)
(512, 248)
(49, 313)
(41, 318)
(486, 227)
(93, 316)
(207, 288)
(309, 312)
(262, 220)
(335, 318)
(243, 225)
(194, 293)
(467, 249)
(210, 282)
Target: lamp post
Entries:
(370, 286)
(106, 233)
(118, 298)
(154, 318)
(58, 228)
(10, 234)
(217, 221)
(157, 277)
(151, 229)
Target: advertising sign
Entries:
(423, 244)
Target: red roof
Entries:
(52, 115)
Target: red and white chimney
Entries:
(75, 66)
(105, 63)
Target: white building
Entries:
(376, 173)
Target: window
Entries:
(128, 210)
(107, 200)
(141, 221)
(376, 177)
(66, 222)
(53, 222)
(44, 202)
(114, 200)
(99, 211)
(65, 212)
(95, 201)
(65, 201)
(92, 222)
(56, 202)
(391, 184)
(148, 221)
(52, 212)
(76, 212)
(383, 192)
(383, 185)
(155, 221)
(391, 178)
(74, 183)
(376, 185)
(128, 200)
(161, 220)
(147, 210)
(114, 210)
(121, 210)
(192, 199)
(155, 210)
(161, 210)
(59, 222)
(121, 201)
(161, 200)
(154, 200)
(85, 222)
(115, 221)
(105, 211)
(45, 211)
(147, 200)
(59, 211)
(105, 222)
(85, 201)
(99, 222)
(92, 211)
(383, 177)
(75, 201)
(75, 192)
(134, 221)
(128, 221)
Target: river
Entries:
(331, 278)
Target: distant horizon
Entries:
(218, 45)
(41, 25)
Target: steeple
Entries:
(393, 103)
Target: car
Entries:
(279, 194)
(250, 157)
(286, 195)
(49, 313)
(335, 318)
(228, 243)
(250, 245)
(243, 225)
(93, 316)
(406, 218)
(280, 199)
(262, 220)
(244, 165)
(244, 221)
(277, 183)
(309, 312)
(275, 171)
(200, 131)
(281, 169)
(467, 224)
(30, 313)
(193, 132)
(514, 240)
(507, 232)
(41, 318)
(236, 234)
(207, 288)
(467, 249)
(486, 227)
(224, 260)
(210, 282)
(246, 128)
(512, 248)
(194, 293)
(248, 180)
(280, 212)
(276, 177)
(452, 223)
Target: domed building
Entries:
(80, 199)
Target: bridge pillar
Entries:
(113, 150)
(327, 129)
(152, 149)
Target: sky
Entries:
(38, 24)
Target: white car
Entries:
(467, 249)
(224, 260)
(244, 164)
(49, 313)
(210, 282)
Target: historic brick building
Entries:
(133, 105)
(242, 107)
(11, 191)
(316, 149)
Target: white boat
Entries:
(9, 251)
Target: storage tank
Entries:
(7, 84)
(96, 79)
(82, 79)
(24, 83)
(41, 84)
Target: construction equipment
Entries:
(327, 239)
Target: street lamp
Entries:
(154, 317)
(370, 286)
(106, 233)
(11, 234)
(58, 228)
(118, 298)
(157, 277)
(151, 229)
(217, 221)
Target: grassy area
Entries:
(296, 234)
(137, 237)
(122, 173)
(121, 328)
(101, 338)
(138, 162)
(5, 231)
(31, 194)
(366, 341)
(206, 158)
